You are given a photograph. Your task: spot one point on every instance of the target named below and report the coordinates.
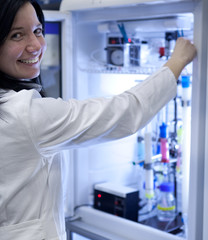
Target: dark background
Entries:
(49, 4)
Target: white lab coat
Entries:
(34, 130)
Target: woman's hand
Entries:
(184, 52)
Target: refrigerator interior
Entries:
(102, 67)
(51, 64)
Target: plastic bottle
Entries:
(166, 204)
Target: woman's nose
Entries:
(33, 44)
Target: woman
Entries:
(34, 130)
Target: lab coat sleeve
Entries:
(58, 124)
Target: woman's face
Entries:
(22, 52)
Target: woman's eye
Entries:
(39, 32)
(16, 36)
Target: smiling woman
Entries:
(22, 45)
(34, 131)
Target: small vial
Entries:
(164, 148)
(141, 149)
(164, 143)
(166, 204)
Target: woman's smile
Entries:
(29, 61)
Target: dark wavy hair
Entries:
(8, 11)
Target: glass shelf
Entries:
(110, 69)
(94, 67)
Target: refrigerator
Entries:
(105, 48)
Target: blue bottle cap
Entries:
(185, 81)
(163, 130)
(167, 187)
(140, 139)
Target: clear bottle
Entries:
(166, 208)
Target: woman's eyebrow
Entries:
(20, 28)
(16, 28)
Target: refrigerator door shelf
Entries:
(69, 5)
(93, 222)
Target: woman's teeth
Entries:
(30, 61)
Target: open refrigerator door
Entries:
(110, 50)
